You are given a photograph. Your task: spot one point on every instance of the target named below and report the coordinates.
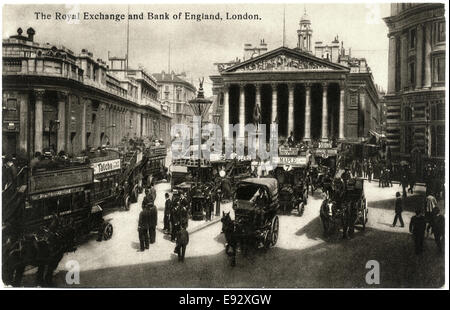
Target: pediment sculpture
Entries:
(282, 63)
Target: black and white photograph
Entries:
(224, 145)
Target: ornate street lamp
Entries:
(200, 107)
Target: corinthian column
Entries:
(60, 144)
(290, 108)
(307, 136)
(38, 120)
(274, 102)
(226, 109)
(341, 112)
(241, 110)
(419, 54)
(324, 113)
(427, 56)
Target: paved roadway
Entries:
(301, 258)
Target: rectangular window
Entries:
(412, 74)
(439, 69)
(440, 32)
(11, 111)
(412, 38)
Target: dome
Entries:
(305, 18)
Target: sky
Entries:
(196, 45)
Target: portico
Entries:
(303, 94)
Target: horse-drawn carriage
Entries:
(256, 223)
(293, 189)
(344, 209)
(51, 213)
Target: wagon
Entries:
(355, 194)
(255, 206)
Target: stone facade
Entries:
(174, 94)
(313, 97)
(53, 98)
(415, 99)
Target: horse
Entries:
(43, 250)
(336, 215)
(229, 230)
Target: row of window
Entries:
(436, 112)
(437, 140)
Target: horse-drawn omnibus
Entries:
(154, 164)
(52, 210)
(107, 166)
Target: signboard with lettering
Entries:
(106, 166)
(62, 179)
(57, 193)
(288, 151)
(293, 161)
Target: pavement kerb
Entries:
(203, 226)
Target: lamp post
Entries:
(200, 107)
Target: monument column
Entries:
(290, 108)
(324, 113)
(226, 109)
(274, 102)
(307, 136)
(38, 120)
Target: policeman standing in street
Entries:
(143, 226)
(417, 228)
(167, 208)
(153, 220)
(174, 216)
(182, 242)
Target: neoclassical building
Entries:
(316, 98)
(415, 98)
(53, 98)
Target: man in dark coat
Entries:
(398, 210)
(174, 218)
(404, 181)
(153, 191)
(438, 228)
(153, 220)
(143, 227)
(167, 208)
(182, 242)
(417, 228)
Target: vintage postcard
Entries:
(225, 145)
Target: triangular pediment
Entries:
(285, 59)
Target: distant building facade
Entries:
(415, 98)
(174, 93)
(55, 99)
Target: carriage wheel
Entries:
(301, 208)
(107, 231)
(127, 203)
(364, 216)
(274, 228)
